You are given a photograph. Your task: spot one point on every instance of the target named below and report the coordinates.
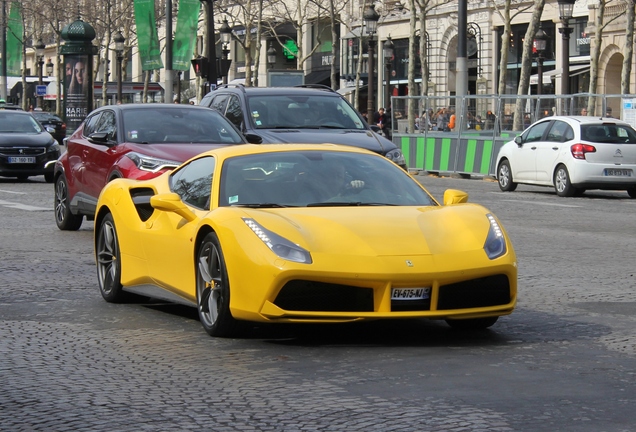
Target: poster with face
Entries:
(77, 89)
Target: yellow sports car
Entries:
(302, 233)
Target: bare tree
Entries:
(628, 53)
(507, 17)
(526, 63)
(599, 25)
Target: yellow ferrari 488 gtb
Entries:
(302, 233)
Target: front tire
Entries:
(472, 324)
(504, 177)
(65, 220)
(632, 192)
(213, 289)
(108, 262)
(48, 177)
(562, 184)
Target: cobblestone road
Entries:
(565, 360)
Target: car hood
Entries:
(368, 231)
(172, 152)
(23, 139)
(365, 139)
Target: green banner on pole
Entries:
(147, 38)
(15, 36)
(185, 34)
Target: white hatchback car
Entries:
(572, 154)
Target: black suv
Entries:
(302, 114)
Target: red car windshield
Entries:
(178, 125)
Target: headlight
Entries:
(152, 164)
(279, 245)
(495, 242)
(396, 156)
(53, 149)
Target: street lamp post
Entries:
(540, 42)
(226, 37)
(39, 53)
(371, 18)
(119, 50)
(388, 58)
(566, 9)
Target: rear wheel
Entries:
(504, 177)
(108, 262)
(562, 183)
(65, 220)
(213, 289)
(472, 324)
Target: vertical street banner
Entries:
(147, 38)
(185, 34)
(15, 36)
(78, 89)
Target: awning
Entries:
(556, 73)
(317, 77)
(346, 90)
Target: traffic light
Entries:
(200, 65)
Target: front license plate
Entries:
(22, 159)
(410, 293)
(615, 172)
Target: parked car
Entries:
(302, 114)
(238, 233)
(54, 122)
(572, 154)
(136, 141)
(26, 147)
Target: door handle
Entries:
(555, 148)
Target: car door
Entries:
(77, 147)
(559, 135)
(168, 240)
(99, 158)
(523, 164)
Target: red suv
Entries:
(137, 141)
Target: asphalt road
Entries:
(565, 360)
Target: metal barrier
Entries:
(472, 150)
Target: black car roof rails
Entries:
(316, 86)
(233, 85)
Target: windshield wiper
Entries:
(347, 204)
(262, 205)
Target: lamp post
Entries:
(566, 8)
(371, 18)
(271, 56)
(39, 53)
(211, 73)
(388, 58)
(540, 42)
(226, 37)
(119, 50)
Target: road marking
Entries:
(23, 206)
(13, 192)
(542, 203)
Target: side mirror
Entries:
(50, 129)
(99, 138)
(454, 196)
(519, 140)
(253, 138)
(171, 202)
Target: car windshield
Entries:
(170, 125)
(608, 133)
(46, 117)
(317, 178)
(18, 123)
(318, 111)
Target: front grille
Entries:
(22, 151)
(141, 199)
(309, 296)
(482, 292)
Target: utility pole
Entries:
(168, 78)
